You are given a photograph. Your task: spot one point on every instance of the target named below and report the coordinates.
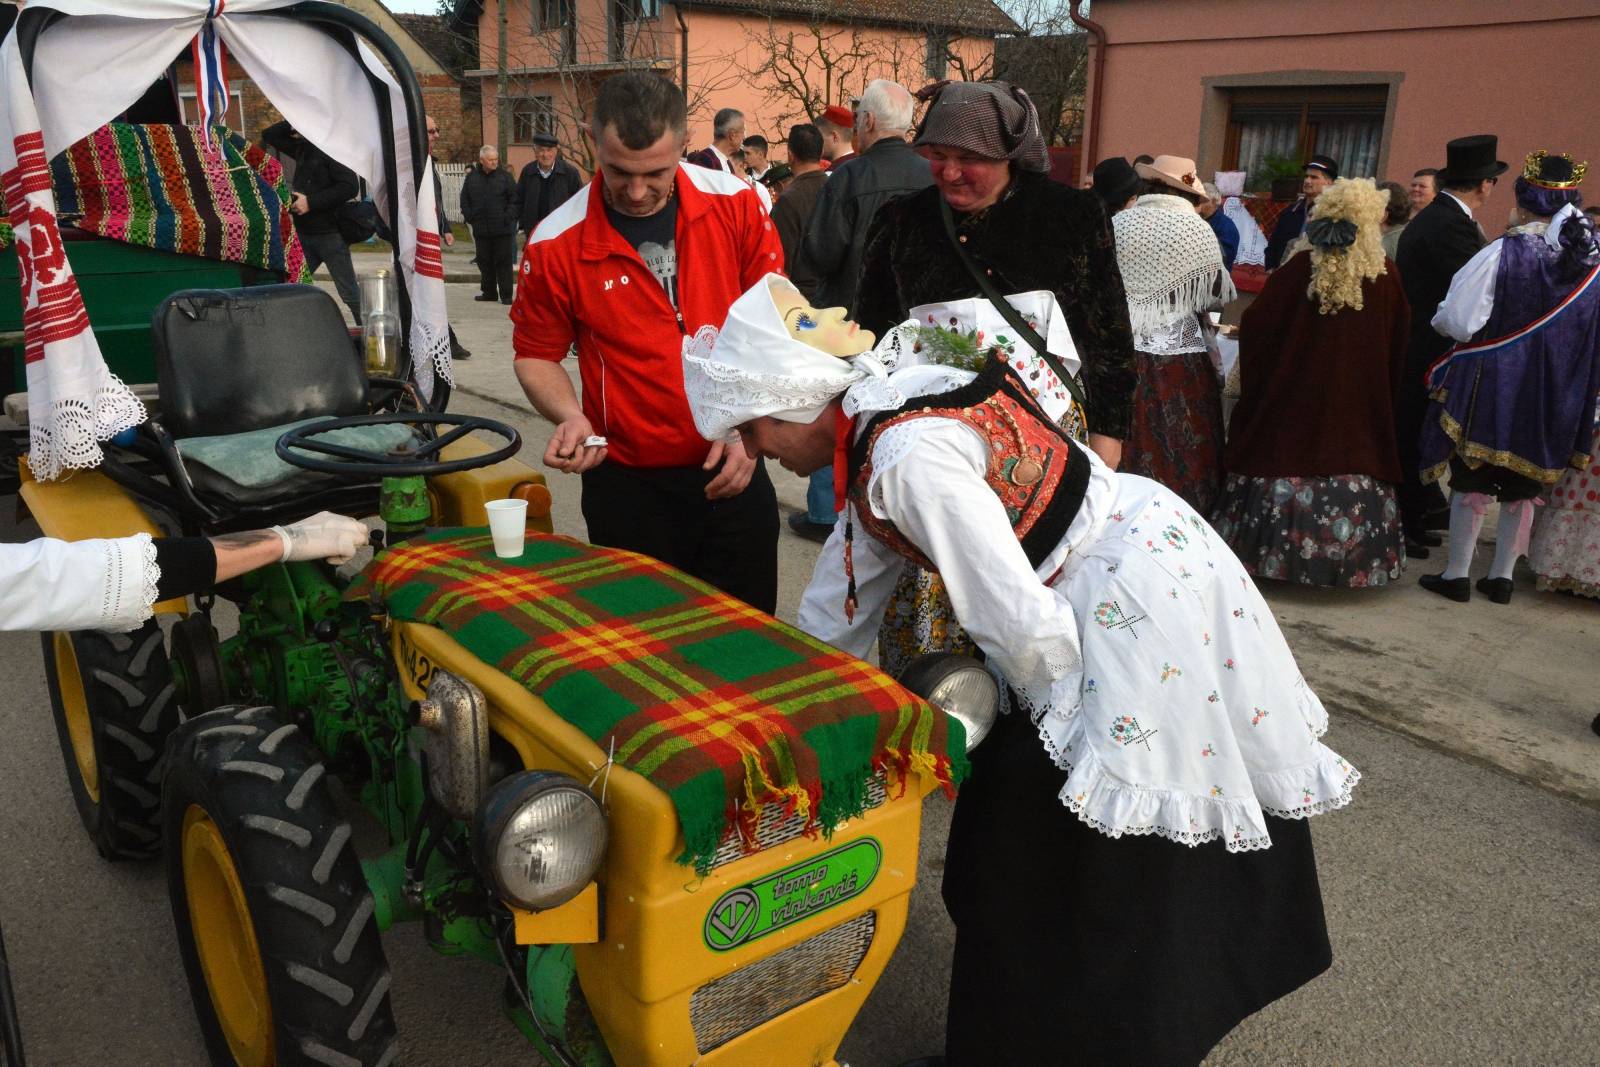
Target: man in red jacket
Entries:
(652, 251)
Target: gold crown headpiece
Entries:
(1534, 165)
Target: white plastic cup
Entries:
(508, 525)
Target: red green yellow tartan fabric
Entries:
(721, 706)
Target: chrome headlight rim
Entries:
(934, 675)
(510, 798)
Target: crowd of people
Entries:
(1008, 396)
(1391, 348)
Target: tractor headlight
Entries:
(540, 838)
(959, 686)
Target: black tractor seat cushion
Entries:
(232, 360)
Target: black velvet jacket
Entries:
(1041, 235)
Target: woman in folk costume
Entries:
(1514, 409)
(1172, 270)
(994, 223)
(1311, 456)
(1129, 870)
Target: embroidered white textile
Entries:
(1154, 671)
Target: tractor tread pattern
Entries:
(264, 786)
(127, 685)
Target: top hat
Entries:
(1553, 172)
(545, 140)
(1175, 171)
(1115, 181)
(1326, 164)
(1472, 159)
(840, 116)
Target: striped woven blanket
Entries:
(158, 186)
(722, 707)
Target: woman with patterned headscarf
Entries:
(1312, 460)
(1025, 234)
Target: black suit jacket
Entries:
(1433, 246)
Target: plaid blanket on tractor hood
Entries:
(722, 707)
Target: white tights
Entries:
(1466, 520)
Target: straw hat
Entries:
(1174, 171)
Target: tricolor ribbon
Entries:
(1477, 349)
(210, 74)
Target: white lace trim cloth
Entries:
(1177, 338)
(132, 576)
(1170, 261)
(1324, 783)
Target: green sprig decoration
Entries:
(967, 350)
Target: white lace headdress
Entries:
(753, 367)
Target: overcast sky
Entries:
(420, 7)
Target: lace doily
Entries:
(1170, 261)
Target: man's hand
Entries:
(1109, 449)
(449, 238)
(299, 204)
(567, 452)
(737, 469)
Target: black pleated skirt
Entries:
(1076, 948)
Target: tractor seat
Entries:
(237, 368)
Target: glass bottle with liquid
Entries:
(380, 336)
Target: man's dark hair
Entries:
(1147, 160)
(1428, 172)
(725, 120)
(756, 141)
(1399, 209)
(641, 107)
(805, 144)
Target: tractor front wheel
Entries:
(111, 695)
(273, 914)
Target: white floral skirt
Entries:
(1192, 718)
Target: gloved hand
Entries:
(324, 535)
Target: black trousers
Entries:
(497, 263)
(1076, 948)
(663, 512)
(1416, 499)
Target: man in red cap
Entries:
(838, 126)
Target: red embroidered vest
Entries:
(1033, 468)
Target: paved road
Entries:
(1464, 903)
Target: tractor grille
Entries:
(738, 1002)
(775, 827)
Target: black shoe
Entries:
(484, 297)
(507, 300)
(1496, 589)
(801, 524)
(1424, 538)
(1415, 551)
(1457, 589)
(1595, 726)
(461, 353)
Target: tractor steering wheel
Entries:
(423, 459)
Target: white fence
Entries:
(451, 175)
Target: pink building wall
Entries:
(1456, 67)
(723, 51)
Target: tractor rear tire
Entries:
(274, 917)
(111, 695)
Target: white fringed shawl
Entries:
(1170, 260)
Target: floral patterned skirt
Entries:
(1338, 531)
(1565, 549)
(1175, 434)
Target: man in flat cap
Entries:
(546, 183)
(1321, 172)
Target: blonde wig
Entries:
(1337, 270)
